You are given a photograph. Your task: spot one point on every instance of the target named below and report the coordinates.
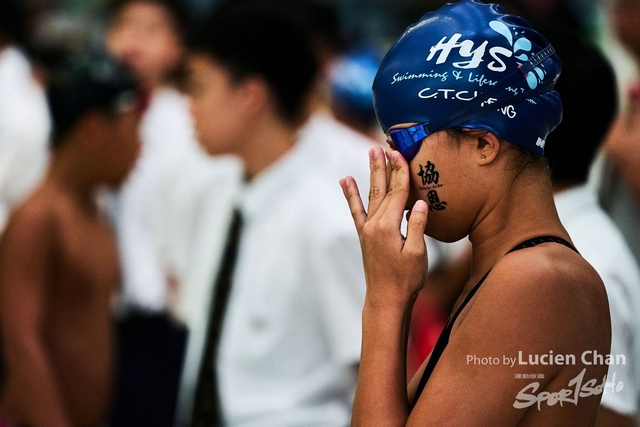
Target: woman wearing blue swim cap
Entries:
(466, 98)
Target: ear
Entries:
(487, 148)
(255, 96)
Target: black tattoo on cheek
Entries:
(429, 174)
(431, 181)
(434, 201)
(430, 177)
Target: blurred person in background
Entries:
(350, 78)
(59, 266)
(24, 118)
(282, 301)
(148, 36)
(571, 150)
(154, 210)
(621, 197)
(339, 146)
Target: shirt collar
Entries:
(575, 199)
(272, 183)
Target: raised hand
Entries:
(395, 266)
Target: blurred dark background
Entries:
(76, 23)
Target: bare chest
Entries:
(88, 264)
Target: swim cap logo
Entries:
(520, 48)
(465, 50)
(522, 44)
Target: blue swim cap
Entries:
(471, 65)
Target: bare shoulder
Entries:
(538, 312)
(549, 272)
(29, 241)
(36, 219)
(549, 292)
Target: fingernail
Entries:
(393, 157)
(420, 206)
(374, 153)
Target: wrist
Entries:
(386, 310)
(395, 303)
(384, 335)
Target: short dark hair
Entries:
(12, 22)
(255, 38)
(176, 9)
(589, 95)
(320, 19)
(83, 84)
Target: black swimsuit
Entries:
(442, 342)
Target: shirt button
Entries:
(258, 323)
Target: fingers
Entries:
(414, 242)
(378, 183)
(389, 203)
(395, 201)
(351, 193)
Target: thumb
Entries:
(416, 226)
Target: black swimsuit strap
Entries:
(443, 340)
(543, 239)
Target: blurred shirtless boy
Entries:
(58, 259)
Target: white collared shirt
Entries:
(24, 130)
(292, 333)
(601, 243)
(291, 340)
(337, 149)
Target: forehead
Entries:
(137, 12)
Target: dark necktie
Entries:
(207, 410)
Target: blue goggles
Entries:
(409, 140)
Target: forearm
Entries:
(381, 395)
(395, 271)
